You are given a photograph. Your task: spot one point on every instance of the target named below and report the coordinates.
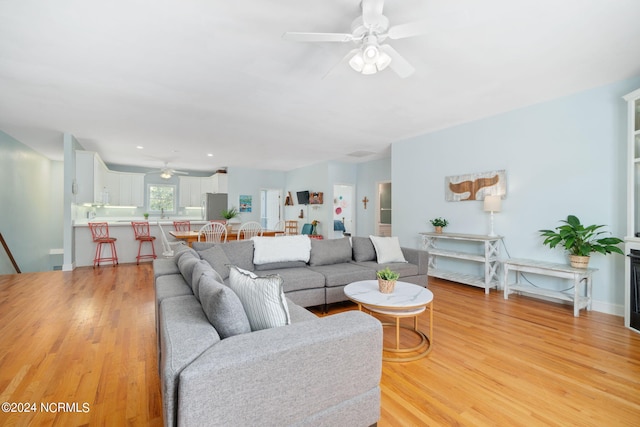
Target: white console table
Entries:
(490, 258)
(577, 275)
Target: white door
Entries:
(270, 208)
(383, 223)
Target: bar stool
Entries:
(182, 225)
(100, 235)
(143, 235)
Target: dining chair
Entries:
(279, 228)
(182, 225)
(249, 229)
(143, 235)
(167, 246)
(100, 235)
(213, 232)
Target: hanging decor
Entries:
(475, 186)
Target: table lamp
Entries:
(492, 204)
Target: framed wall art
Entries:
(475, 186)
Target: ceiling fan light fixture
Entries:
(369, 69)
(357, 62)
(165, 175)
(370, 53)
(383, 61)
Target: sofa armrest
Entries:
(283, 376)
(419, 258)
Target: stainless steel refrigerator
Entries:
(212, 205)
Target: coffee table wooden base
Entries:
(418, 351)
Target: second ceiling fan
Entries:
(368, 31)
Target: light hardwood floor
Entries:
(88, 336)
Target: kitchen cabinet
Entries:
(131, 188)
(91, 178)
(192, 188)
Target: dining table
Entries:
(192, 235)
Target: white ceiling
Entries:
(184, 78)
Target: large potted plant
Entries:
(580, 241)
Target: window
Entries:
(162, 198)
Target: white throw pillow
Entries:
(387, 249)
(282, 249)
(262, 298)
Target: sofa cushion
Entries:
(363, 249)
(331, 251)
(295, 279)
(280, 265)
(387, 249)
(216, 257)
(404, 269)
(202, 268)
(283, 249)
(262, 298)
(186, 264)
(222, 307)
(182, 250)
(239, 253)
(344, 273)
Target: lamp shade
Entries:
(492, 203)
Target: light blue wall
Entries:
(369, 174)
(561, 157)
(244, 181)
(31, 206)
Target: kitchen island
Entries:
(126, 244)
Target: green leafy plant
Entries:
(230, 213)
(439, 222)
(579, 240)
(387, 274)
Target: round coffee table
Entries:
(407, 300)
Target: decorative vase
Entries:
(314, 229)
(438, 229)
(386, 286)
(578, 261)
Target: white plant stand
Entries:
(490, 258)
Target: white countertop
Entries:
(126, 221)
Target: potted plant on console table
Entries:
(580, 241)
(229, 214)
(439, 224)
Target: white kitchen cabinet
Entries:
(220, 183)
(112, 185)
(190, 191)
(131, 189)
(91, 178)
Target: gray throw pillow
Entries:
(201, 268)
(363, 249)
(262, 298)
(223, 308)
(331, 251)
(239, 253)
(183, 250)
(216, 257)
(186, 265)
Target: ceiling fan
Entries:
(166, 172)
(368, 32)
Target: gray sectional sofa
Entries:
(312, 371)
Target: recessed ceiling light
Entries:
(209, 155)
(139, 147)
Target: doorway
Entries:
(270, 210)
(383, 217)
(343, 215)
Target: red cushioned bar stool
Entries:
(141, 230)
(100, 235)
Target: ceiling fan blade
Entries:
(372, 12)
(398, 64)
(411, 29)
(344, 60)
(317, 37)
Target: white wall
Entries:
(368, 176)
(561, 157)
(244, 181)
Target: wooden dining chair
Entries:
(213, 232)
(249, 229)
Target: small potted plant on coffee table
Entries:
(387, 280)
(439, 223)
(580, 241)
